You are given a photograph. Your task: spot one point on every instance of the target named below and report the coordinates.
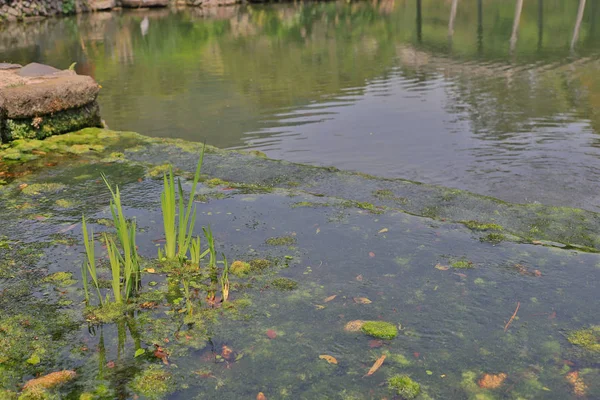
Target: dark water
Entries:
(481, 101)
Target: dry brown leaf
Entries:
(359, 278)
(442, 267)
(491, 381)
(536, 242)
(150, 270)
(376, 365)
(225, 291)
(318, 230)
(261, 396)
(362, 300)
(328, 358)
(328, 299)
(51, 380)
(384, 230)
(371, 254)
(579, 386)
(354, 326)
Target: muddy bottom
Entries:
(476, 316)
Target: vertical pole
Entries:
(419, 22)
(515, 29)
(578, 23)
(452, 18)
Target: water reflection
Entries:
(497, 97)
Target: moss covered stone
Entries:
(482, 226)
(589, 339)
(493, 238)
(153, 383)
(404, 386)
(380, 329)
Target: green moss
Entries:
(404, 386)
(363, 205)
(284, 284)
(493, 237)
(109, 312)
(37, 393)
(39, 188)
(589, 339)
(64, 203)
(281, 241)
(385, 194)
(153, 383)
(462, 264)
(215, 182)
(309, 204)
(398, 359)
(260, 264)
(61, 279)
(481, 226)
(158, 171)
(240, 268)
(380, 329)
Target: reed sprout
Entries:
(88, 267)
(179, 216)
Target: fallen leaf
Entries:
(359, 278)
(384, 230)
(362, 300)
(160, 353)
(536, 242)
(442, 267)
(491, 381)
(371, 254)
(110, 364)
(553, 315)
(261, 396)
(376, 365)
(328, 299)
(579, 386)
(460, 274)
(150, 270)
(354, 326)
(51, 380)
(328, 358)
(271, 334)
(375, 343)
(23, 186)
(227, 353)
(416, 354)
(318, 230)
(537, 273)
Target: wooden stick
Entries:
(513, 317)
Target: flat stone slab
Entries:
(144, 3)
(25, 100)
(37, 69)
(8, 66)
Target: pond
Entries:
(492, 106)
(385, 255)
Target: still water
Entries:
(497, 97)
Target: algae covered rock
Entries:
(240, 268)
(380, 329)
(404, 386)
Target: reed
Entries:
(179, 216)
(89, 265)
(225, 280)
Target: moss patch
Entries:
(41, 188)
(61, 279)
(589, 339)
(153, 383)
(462, 264)
(404, 386)
(481, 226)
(284, 284)
(281, 241)
(493, 238)
(380, 329)
(260, 264)
(240, 268)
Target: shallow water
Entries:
(452, 322)
(385, 88)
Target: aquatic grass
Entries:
(115, 267)
(212, 262)
(178, 217)
(126, 232)
(89, 265)
(225, 280)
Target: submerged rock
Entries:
(51, 380)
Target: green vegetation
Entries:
(493, 238)
(588, 339)
(179, 218)
(480, 226)
(404, 386)
(41, 188)
(284, 284)
(154, 383)
(462, 264)
(380, 329)
(240, 268)
(281, 241)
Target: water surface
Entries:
(477, 99)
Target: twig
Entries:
(513, 317)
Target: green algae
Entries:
(310, 204)
(380, 329)
(109, 312)
(386, 194)
(64, 203)
(481, 226)
(260, 264)
(41, 188)
(404, 386)
(61, 279)
(214, 182)
(281, 241)
(154, 383)
(588, 339)
(493, 238)
(240, 268)
(462, 264)
(284, 284)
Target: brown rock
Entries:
(47, 97)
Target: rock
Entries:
(36, 69)
(12, 11)
(102, 4)
(51, 380)
(49, 96)
(5, 66)
(144, 3)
